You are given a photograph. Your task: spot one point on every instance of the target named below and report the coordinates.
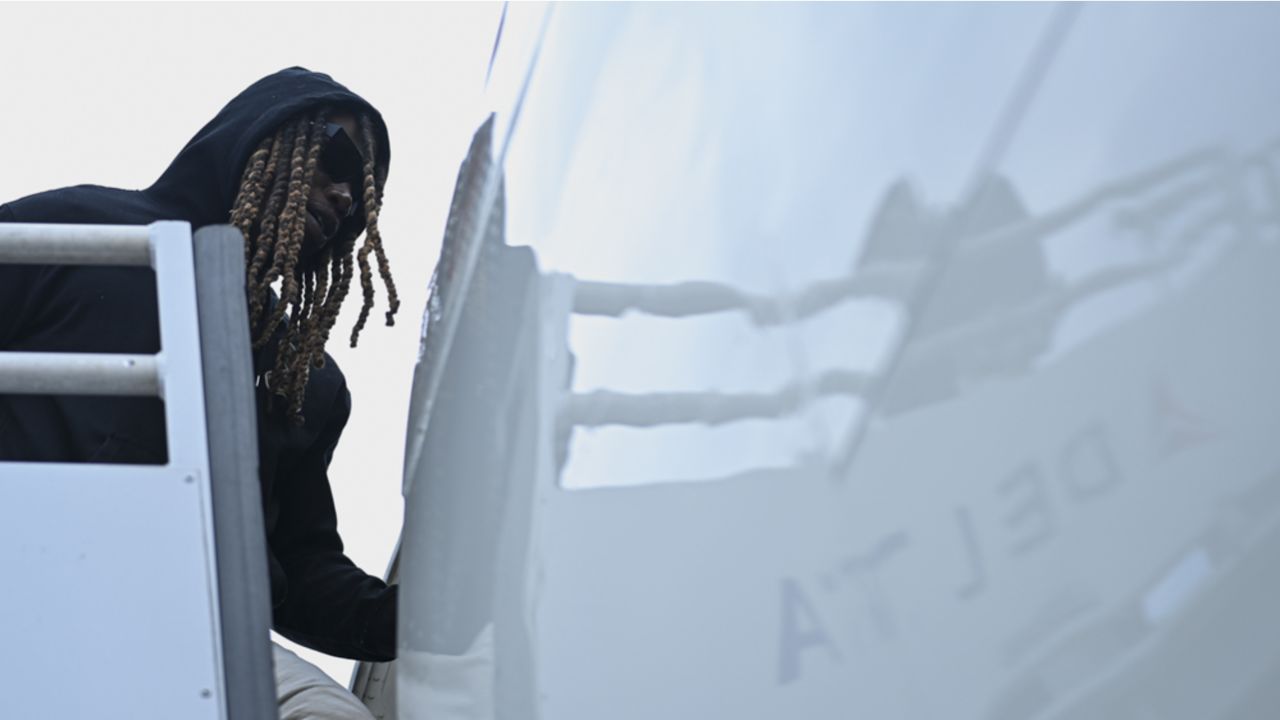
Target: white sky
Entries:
(107, 93)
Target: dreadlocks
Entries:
(270, 210)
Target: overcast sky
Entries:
(108, 93)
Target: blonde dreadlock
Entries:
(270, 210)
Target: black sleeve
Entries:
(330, 605)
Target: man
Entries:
(298, 163)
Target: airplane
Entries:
(852, 360)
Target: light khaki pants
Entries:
(305, 692)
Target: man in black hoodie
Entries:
(297, 162)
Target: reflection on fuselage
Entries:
(1065, 502)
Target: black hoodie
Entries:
(321, 599)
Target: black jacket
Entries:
(321, 599)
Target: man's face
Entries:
(336, 187)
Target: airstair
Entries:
(139, 590)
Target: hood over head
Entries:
(205, 175)
(201, 183)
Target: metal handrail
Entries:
(65, 373)
(75, 244)
(79, 374)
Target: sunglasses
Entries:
(341, 158)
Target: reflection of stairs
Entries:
(993, 310)
(992, 313)
(981, 279)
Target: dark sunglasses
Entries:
(341, 158)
